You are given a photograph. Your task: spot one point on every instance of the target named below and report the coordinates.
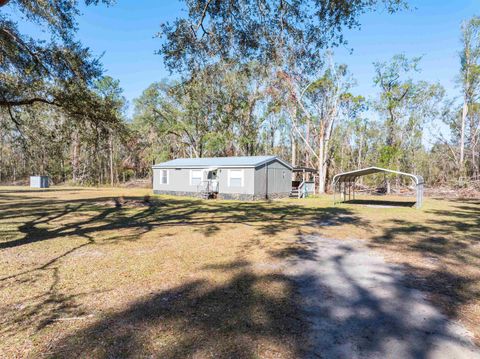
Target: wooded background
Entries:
(251, 78)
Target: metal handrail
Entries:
(208, 186)
(302, 189)
(203, 186)
(301, 193)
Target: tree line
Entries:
(249, 78)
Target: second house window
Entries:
(235, 178)
(195, 177)
(164, 177)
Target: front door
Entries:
(213, 181)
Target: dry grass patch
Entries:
(182, 277)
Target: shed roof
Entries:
(352, 175)
(218, 162)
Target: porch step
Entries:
(294, 193)
(205, 195)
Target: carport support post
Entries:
(416, 191)
(333, 193)
(351, 178)
(419, 190)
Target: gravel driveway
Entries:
(358, 306)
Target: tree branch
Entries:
(25, 102)
(19, 41)
(200, 21)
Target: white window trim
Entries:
(242, 177)
(191, 176)
(161, 176)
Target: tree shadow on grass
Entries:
(206, 217)
(84, 221)
(448, 243)
(237, 319)
(358, 306)
(323, 306)
(34, 190)
(41, 310)
(449, 232)
(374, 202)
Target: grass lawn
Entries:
(180, 277)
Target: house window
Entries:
(235, 178)
(163, 176)
(195, 177)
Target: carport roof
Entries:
(218, 162)
(352, 175)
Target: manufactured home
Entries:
(243, 178)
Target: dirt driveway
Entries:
(359, 306)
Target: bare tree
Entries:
(469, 79)
(318, 106)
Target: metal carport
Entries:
(343, 183)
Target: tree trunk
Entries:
(360, 149)
(359, 157)
(75, 155)
(461, 163)
(1, 157)
(294, 154)
(110, 149)
(321, 167)
(473, 145)
(307, 138)
(475, 164)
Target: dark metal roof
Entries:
(304, 169)
(352, 175)
(218, 162)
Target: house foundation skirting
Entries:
(177, 193)
(228, 196)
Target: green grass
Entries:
(181, 277)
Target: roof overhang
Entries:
(304, 169)
(258, 164)
(205, 167)
(286, 164)
(353, 175)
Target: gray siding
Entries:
(279, 180)
(254, 181)
(179, 181)
(248, 181)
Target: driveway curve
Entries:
(359, 306)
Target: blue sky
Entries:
(124, 34)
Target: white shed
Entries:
(39, 181)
